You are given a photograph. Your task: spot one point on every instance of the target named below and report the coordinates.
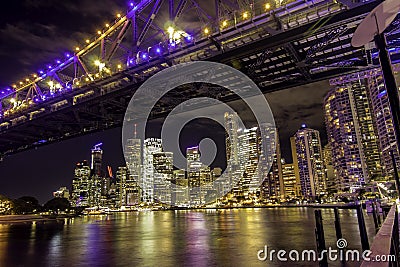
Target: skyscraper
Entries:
(81, 185)
(310, 163)
(351, 134)
(133, 157)
(151, 146)
(383, 121)
(163, 176)
(98, 185)
(289, 181)
(270, 166)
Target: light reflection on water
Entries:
(173, 238)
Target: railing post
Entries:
(338, 228)
(320, 238)
(361, 226)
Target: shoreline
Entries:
(10, 219)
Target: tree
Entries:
(26, 204)
(57, 204)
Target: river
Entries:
(229, 237)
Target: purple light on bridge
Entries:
(189, 38)
(49, 67)
(58, 61)
(41, 72)
(158, 50)
(144, 56)
(67, 55)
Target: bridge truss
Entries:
(279, 44)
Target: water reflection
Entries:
(172, 238)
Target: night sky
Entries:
(34, 33)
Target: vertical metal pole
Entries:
(390, 82)
(361, 226)
(374, 216)
(338, 227)
(320, 237)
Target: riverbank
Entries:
(7, 219)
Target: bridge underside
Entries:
(275, 56)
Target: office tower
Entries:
(329, 170)
(270, 166)
(81, 185)
(289, 181)
(310, 163)
(180, 189)
(98, 186)
(96, 160)
(63, 192)
(121, 178)
(133, 157)
(383, 121)
(351, 134)
(151, 146)
(193, 175)
(295, 165)
(163, 172)
(232, 143)
(249, 144)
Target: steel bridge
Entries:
(278, 43)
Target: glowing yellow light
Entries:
(14, 86)
(87, 41)
(98, 32)
(170, 30)
(97, 62)
(77, 48)
(119, 66)
(51, 83)
(118, 15)
(206, 31)
(224, 23)
(12, 100)
(77, 83)
(267, 6)
(97, 75)
(245, 15)
(107, 25)
(27, 79)
(34, 76)
(21, 83)
(87, 79)
(177, 35)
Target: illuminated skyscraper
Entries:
(310, 163)
(163, 175)
(96, 160)
(98, 185)
(81, 185)
(133, 157)
(289, 181)
(383, 121)
(351, 134)
(180, 189)
(151, 146)
(270, 167)
(249, 152)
